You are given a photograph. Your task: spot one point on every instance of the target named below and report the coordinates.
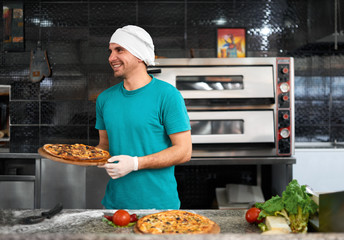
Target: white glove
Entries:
(125, 164)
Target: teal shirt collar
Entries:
(136, 91)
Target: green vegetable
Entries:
(114, 225)
(263, 227)
(295, 206)
(270, 207)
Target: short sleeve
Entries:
(174, 113)
(100, 125)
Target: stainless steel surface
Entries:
(11, 155)
(74, 186)
(243, 150)
(63, 183)
(331, 212)
(17, 193)
(19, 183)
(323, 145)
(237, 107)
(311, 191)
(38, 162)
(96, 181)
(281, 175)
(179, 62)
(258, 82)
(241, 161)
(212, 133)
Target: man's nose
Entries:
(112, 56)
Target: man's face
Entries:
(121, 60)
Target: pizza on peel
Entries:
(76, 152)
(175, 222)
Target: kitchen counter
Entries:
(88, 224)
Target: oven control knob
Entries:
(284, 70)
(285, 133)
(285, 98)
(284, 87)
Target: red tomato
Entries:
(121, 218)
(252, 215)
(108, 217)
(133, 218)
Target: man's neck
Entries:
(137, 81)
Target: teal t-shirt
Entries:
(138, 123)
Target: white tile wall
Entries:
(322, 169)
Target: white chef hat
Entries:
(137, 41)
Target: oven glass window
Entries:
(207, 127)
(209, 83)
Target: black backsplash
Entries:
(75, 35)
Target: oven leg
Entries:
(259, 176)
(37, 197)
(282, 174)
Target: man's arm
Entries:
(103, 140)
(178, 153)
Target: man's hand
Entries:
(123, 165)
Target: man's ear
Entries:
(141, 61)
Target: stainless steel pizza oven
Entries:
(238, 107)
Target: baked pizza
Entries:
(176, 222)
(76, 152)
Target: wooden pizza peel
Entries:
(74, 162)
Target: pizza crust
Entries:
(76, 152)
(46, 155)
(175, 222)
(215, 229)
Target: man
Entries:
(143, 123)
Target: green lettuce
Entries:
(117, 226)
(295, 205)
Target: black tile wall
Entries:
(24, 138)
(64, 113)
(64, 88)
(75, 34)
(25, 91)
(66, 134)
(24, 112)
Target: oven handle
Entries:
(153, 71)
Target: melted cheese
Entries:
(175, 222)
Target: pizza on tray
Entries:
(176, 222)
(76, 152)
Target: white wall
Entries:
(322, 169)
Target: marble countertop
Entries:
(88, 224)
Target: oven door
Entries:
(217, 82)
(232, 126)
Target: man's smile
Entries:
(116, 65)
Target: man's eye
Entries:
(119, 49)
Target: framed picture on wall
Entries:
(13, 25)
(231, 42)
